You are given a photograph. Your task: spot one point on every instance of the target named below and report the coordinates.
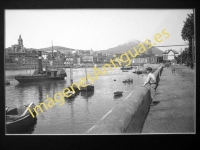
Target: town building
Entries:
(170, 55)
(16, 50)
(45, 55)
(71, 59)
(68, 60)
(144, 59)
(87, 59)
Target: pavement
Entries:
(176, 108)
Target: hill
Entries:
(115, 50)
(129, 46)
(58, 48)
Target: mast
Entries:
(71, 73)
(40, 62)
(86, 74)
(52, 52)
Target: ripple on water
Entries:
(78, 114)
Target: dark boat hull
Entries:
(19, 120)
(127, 81)
(126, 68)
(118, 93)
(20, 125)
(37, 79)
(137, 72)
(87, 88)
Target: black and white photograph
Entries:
(100, 71)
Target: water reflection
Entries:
(32, 127)
(71, 103)
(69, 100)
(40, 91)
(80, 112)
(27, 130)
(87, 95)
(117, 96)
(49, 87)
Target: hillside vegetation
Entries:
(115, 50)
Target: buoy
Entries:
(114, 80)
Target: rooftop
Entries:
(167, 51)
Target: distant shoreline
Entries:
(65, 67)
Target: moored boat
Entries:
(127, 68)
(88, 87)
(118, 93)
(7, 82)
(40, 75)
(19, 119)
(137, 72)
(73, 94)
(127, 81)
(46, 75)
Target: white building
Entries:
(78, 61)
(45, 55)
(91, 52)
(73, 52)
(170, 54)
(54, 51)
(87, 58)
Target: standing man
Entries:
(173, 69)
(151, 79)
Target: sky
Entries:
(96, 29)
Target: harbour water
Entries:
(78, 114)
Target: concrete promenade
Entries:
(176, 110)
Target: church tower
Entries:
(20, 42)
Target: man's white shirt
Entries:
(150, 78)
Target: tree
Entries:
(34, 52)
(55, 55)
(188, 34)
(49, 56)
(182, 56)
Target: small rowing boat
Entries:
(127, 81)
(118, 93)
(19, 119)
